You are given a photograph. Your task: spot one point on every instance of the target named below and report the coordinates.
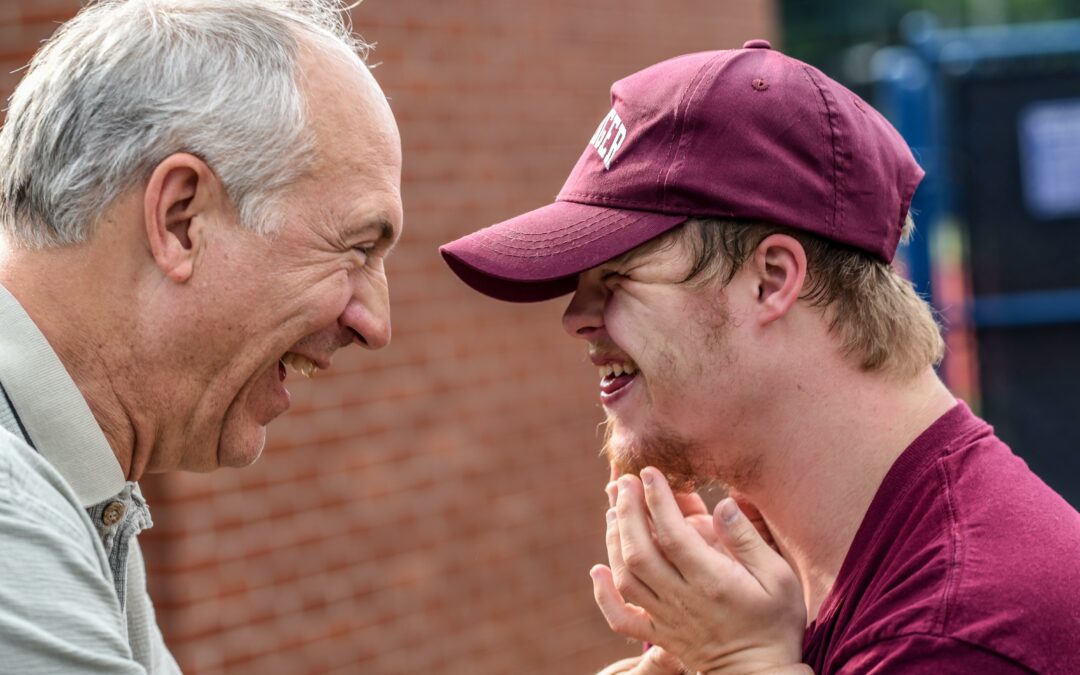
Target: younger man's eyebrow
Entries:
(639, 251)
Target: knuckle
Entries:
(669, 541)
(745, 540)
(617, 623)
(634, 557)
(612, 536)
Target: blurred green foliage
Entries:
(824, 32)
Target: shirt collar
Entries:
(52, 409)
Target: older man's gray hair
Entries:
(129, 82)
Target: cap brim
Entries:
(538, 255)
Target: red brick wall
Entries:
(434, 507)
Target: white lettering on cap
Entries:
(611, 124)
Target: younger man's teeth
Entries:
(300, 364)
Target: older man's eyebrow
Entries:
(384, 227)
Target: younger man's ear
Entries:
(779, 265)
(180, 194)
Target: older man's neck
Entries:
(76, 301)
(841, 441)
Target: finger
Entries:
(691, 504)
(639, 550)
(612, 490)
(656, 661)
(678, 541)
(697, 515)
(624, 667)
(623, 618)
(628, 584)
(756, 519)
(703, 526)
(746, 545)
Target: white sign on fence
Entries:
(1050, 157)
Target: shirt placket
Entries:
(118, 520)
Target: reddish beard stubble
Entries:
(664, 450)
(686, 465)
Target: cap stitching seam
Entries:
(564, 232)
(695, 85)
(831, 227)
(501, 248)
(568, 240)
(662, 178)
(606, 198)
(650, 206)
(906, 198)
(839, 164)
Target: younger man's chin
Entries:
(668, 454)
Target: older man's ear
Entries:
(180, 196)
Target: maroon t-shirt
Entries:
(965, 562)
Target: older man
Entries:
(195, 198)
(727, 235)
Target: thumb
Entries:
(738, 534)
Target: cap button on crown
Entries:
(757, 44)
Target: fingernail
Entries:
(594, 571)
(611, 516)
(729, 511)
(612, 490)
(647, 478)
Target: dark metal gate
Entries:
(993, 114)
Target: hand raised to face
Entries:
(721, 600)
(655, 661)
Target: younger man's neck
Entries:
(814, 493)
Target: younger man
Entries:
(727, 235)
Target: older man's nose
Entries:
(368, 322)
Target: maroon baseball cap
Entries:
(747, 134)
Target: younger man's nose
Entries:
(585, 313)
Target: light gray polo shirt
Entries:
(72, 580)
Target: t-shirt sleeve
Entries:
(929, 655)
(58, 610)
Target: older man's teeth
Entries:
(300, 364)
(617, 369)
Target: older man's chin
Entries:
(238, 447)
(243, 429)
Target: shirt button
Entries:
(113, 513)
